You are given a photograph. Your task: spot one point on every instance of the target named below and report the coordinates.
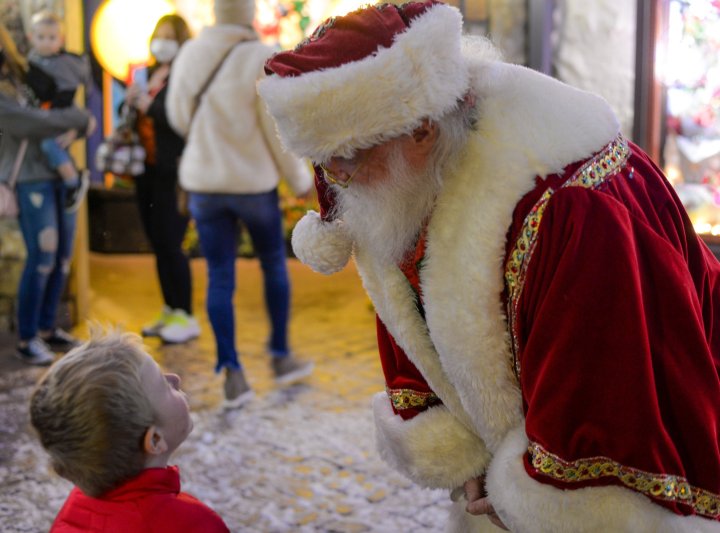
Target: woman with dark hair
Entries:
(47, 228)
(156, 189)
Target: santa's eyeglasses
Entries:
(356, 163)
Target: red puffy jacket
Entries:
(150, 502)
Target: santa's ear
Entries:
(154, 442)
(426, 133)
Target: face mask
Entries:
(164, 50)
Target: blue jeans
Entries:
(217, 218)
(54, 153)
(48, 232)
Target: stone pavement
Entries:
(296, 459)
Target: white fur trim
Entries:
(360, 104)
(525, 504)
(531, 125)
(432, 449)
(394, 302)
(324, 246)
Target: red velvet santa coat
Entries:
(150, 502)
(571, 328)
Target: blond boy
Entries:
(110, 419)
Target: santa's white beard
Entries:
(384, 218)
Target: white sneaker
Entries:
(179, 328)
(35, 353)
(153, 329)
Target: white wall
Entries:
(594, 46)
(507, 28)
(596, 51)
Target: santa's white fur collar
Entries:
(531, 125)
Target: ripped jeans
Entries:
(48, 232)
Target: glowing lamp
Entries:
(120, 32)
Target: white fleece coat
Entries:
(232, 146)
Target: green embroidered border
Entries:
(660, 486)
(410, 399)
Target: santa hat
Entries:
(358, 81)
(238, 12)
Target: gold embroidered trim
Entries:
(410, 399)
(660, 486)
(590, 176)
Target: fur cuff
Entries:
(433, 449)
(323, 246)
(525, 504)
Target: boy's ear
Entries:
(154, 442)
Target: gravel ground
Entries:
(280, 464)
(300, 459)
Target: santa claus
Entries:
(548, 320)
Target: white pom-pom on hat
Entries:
(324, 246)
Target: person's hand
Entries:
(132, 93)
(158, 78)
(478, 502)
(143, 102)
(92, 124)
(67, 138)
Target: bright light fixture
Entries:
(120, 32)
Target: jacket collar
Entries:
(151, 480)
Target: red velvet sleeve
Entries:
(618, 382)
(402, 375)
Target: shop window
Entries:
(692, 81)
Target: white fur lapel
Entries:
(530, 125)
(394, 302)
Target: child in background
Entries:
(110, 419)
(70, 71)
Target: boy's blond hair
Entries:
(46, 17)
(91, 412)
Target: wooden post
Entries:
(79, 282)
(652, 21)
(107, 91)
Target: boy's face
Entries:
(46, 39)
(172, 413)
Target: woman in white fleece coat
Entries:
(231, 166)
